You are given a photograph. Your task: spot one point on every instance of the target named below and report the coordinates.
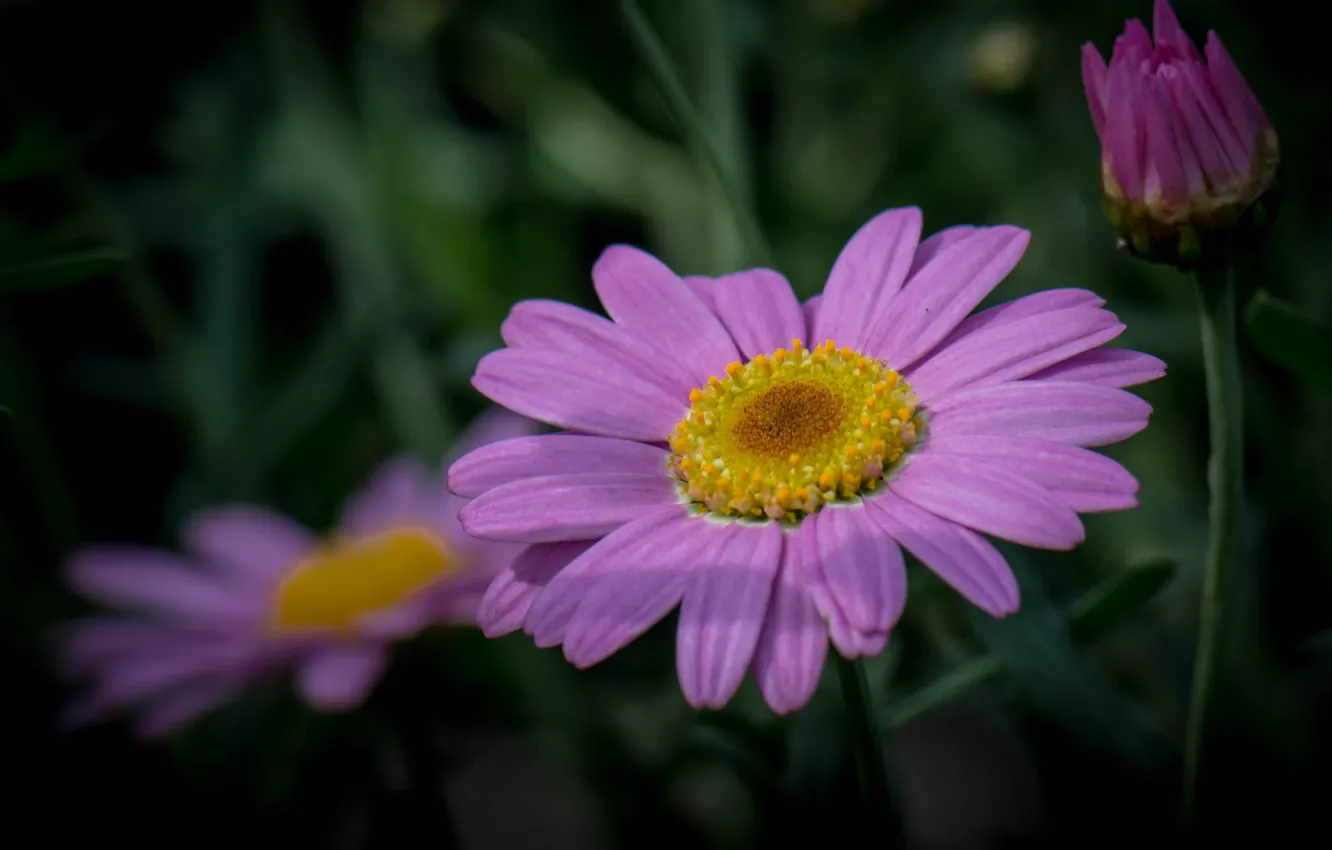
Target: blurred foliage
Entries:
(249, 249)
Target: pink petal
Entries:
(860, 567)
(1201, 137)
(1093, 80)
(849, 640)
(852, 643)
(158, 583)
(558, 327)
(760, 310)
(958, 555)
(1086, 481)
(569, 392)
(704, 288)
(184, 662)
(630, 593)
(941, 294)
(1242, 106)
(1166, 28)
(930, 247)
(980, 496)
(1165, 150)
(867, 275)
(1008, 350)
(1109, 367)
(1060, 411)
(249, 542)
(340, 677)
(577, 506)
(788, 660)
(551, 454)
(510, 596)
(83, 647)
(650, 301)
(811, 308)
(1036, 304)
(1236, 150)
(1134, 46)
(548, 618)
(1124, 141)
(722, 614)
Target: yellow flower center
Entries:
(788, 432)
(348, 578)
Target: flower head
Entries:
(763, 463)
(1188, 157)
(257, 595)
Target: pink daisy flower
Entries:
(764, 463)
(258, 595)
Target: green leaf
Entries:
(61, 269)
(1290, 338)
(1036, 644)
(1096, 612)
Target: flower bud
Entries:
(1188, 157)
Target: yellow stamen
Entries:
(823, 427)
(346, 579)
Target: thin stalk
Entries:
(868, 748)
(1216, 307)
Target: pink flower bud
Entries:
(1187, 153)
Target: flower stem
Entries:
(867, 745)
(687, 116)
(1216, 307)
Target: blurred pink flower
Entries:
(1185, 145)
(258, 595)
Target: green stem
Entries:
(1216, 306)
(691, 123)
(867, 743)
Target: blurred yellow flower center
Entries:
(348, 578)
(788, 432)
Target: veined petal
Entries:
(551, 454)
(633, 591)
(1006, 351)
(1109, 367)
(510, 596)
(1060, 411)
(549, 616)
(555, 326)
(576, 506)
(788, 660)
(930, 247)
(956, 554)
(941, 294)
(861, 567)
(760, 311)
(1084, 480)
(646, 298)
(568, 392)
(1035, 304)
(982, 497)
(867, 275)
(722, 615)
